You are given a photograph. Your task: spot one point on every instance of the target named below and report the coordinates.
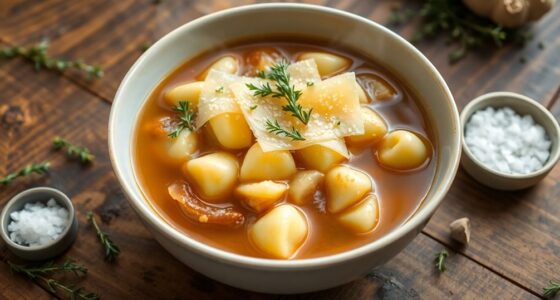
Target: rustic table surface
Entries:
(515, 246)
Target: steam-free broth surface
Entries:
(399, 192)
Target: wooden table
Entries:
(515, 246)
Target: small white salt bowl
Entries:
(522, 105)
(49, 250)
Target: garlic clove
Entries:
(461, 230)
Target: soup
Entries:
(283, 149)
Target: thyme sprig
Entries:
(274, 127)
(112, 251)
(38, 168)
(40, 273)
(552, 289)
(440, 260)
(278, 73)
(37, 54)
(463, 26)
(185, 117)
(82, 153)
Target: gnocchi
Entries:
(319, 158)
(261, 195)
(214, 175)
(403, 150)
(304, 185)
(186, 92)
(345, 187)
(227, 64)
(374, 129)
(231, 130)
(281, 232)
(328, 64)
(362, 217)
(274, 165)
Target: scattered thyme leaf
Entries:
(461, 25)
(309, 83)
(440, 260)
(39, 273)
(112, 251)
(82, 153)
(262, 91)
(144, 47)
(278, 74)
(253, 107)
(38, 168)
(37, 54)
(185, 117)
(540, 45)
(274, 127)
(220, 90)
(552, 289)
(261, 74)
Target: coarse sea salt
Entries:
(38, 224)
(506, 142)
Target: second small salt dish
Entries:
(49, 249)
(521, 105)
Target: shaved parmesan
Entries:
(335, 104)
(337, 146)
(216, 97)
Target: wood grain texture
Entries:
(516, 235)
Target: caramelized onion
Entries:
(201, 212)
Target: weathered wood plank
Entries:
(15, 287)
(412, 275)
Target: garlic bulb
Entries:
(510, 13)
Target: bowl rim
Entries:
(61, 198)
(487, 100)
(149, 216)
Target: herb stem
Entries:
(552, 289)
(72, 150)
(440, 260)
(38, 273)
(185, 118)
(37, 54)
(38, 168)
(112, 251)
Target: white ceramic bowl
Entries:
(338, 27)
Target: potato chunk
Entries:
(345, 187)
(374, 129)
(183, 146)
(186, 92)
(362, 217)
(231, 130)
(327, 64)
(214, 175)
(303, 186)
(273, 165)
(281, 232)
(260, 196)
(403, 150)
(227, 64)
(320, 158)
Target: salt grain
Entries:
(38, 224)
(507, 142)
